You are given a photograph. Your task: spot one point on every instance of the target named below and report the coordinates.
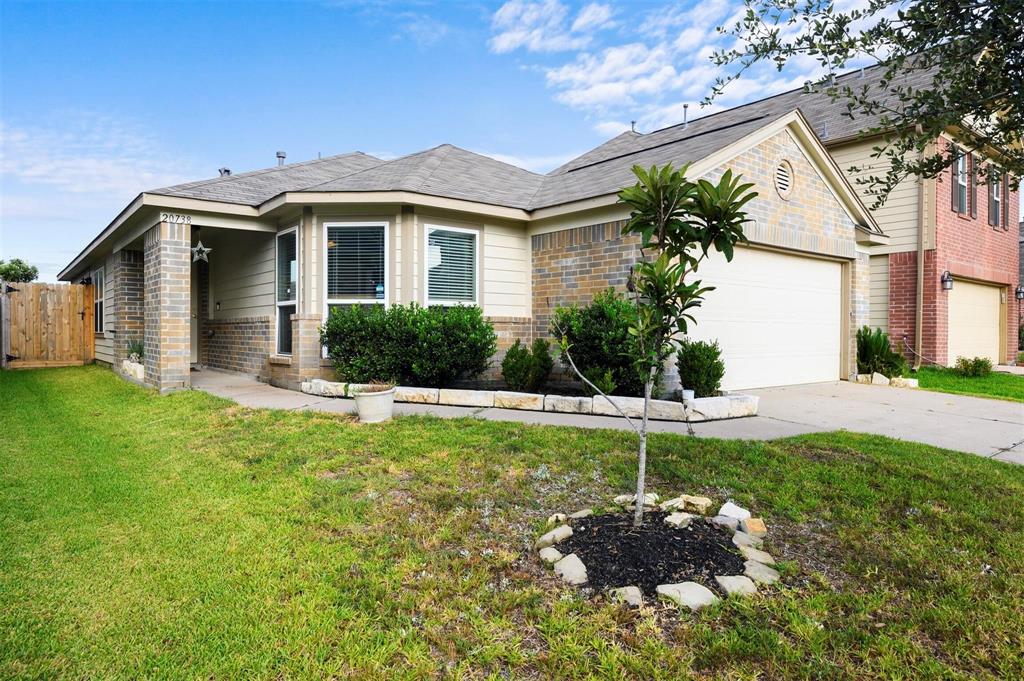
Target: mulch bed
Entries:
(617, 554)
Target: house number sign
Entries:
(176, 218)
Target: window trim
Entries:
(278, 304)
(477, 278)
(387, 265)
(99, 274)
(962, 181)
(995, 184)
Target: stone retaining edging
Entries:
(700, 409)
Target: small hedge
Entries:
(599, 340)
(875, 354)
(411, 345)
(527, 370)
(700, 367)
(976, 367)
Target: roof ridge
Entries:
(259, 171)
(382, 163)
(433, 162)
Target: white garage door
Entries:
(777, 317)
(973, 321)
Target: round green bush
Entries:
(700, 367)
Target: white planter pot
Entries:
(375, 407)
(135, 370)
(687, 397)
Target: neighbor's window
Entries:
(356, 263)
(100, 291)
(451, 265)
(287, 287)
(995, 198)
(960, 175)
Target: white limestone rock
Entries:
(697, 504)
(630, 595)
(677, 504)
(560, 533)
(571, 569)
(743, 405)
(466, 398)
(744, 539)
(631, 406)
(879, 379)
(568, 405)
(736, 585)
(585, 513)
(687, 595)
(725, 522)
(404, 393)
(710, 408)
(550, 555)
(731, 510)
(754, 527)
(900, 382)
(679, 519)
(750, 553)
(760, 573)
(556, 518)
(504, 399)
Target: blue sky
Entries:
(99, 101)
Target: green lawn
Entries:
(998, 385)
(182, 536)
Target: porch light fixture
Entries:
(947, 281)
(1018, 292)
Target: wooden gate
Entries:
(46, 325)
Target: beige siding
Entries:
(878, 315)
(506, 276)
(105, 341)
(898, 216)
(241, 274)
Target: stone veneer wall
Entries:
(128, 311)
(167, 306)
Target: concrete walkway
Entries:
(992, 428)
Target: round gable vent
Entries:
(784, 179)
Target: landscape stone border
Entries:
(697, 410)
(747, 532)
(880, 379)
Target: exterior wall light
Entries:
(947, 281)
(1019, 292)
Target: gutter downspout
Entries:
(919, 298)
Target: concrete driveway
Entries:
(992, 428)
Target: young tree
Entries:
(947, 65)
(17, 270)
(679, 224)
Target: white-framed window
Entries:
(286, 258)
(99, 284)
(356, 269)
(960, 203)
(995, 204)
(452, 264)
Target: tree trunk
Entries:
(638, 504)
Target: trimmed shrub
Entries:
(602, 379)
(976, 367)
(527, 370)
(700, 366)
(409, 345)
(599, 339)
(875, 354)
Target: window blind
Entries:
(355, 262)
(451, 275)
(287, 267)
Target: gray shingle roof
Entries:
(257, 186)
(445, 171)
(451, 172)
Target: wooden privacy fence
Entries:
(46, 325)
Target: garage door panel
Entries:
(974, 321)
(776, 316)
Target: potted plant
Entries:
(133, 366)
(375, 401)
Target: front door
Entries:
(194, 317)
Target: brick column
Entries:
(127, 312)
(306, 353)
(167, 269)
(860, 306)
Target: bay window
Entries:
(287, 288)
(451, 265)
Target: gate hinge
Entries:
(11, 358)
(10, 289)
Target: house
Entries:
(448, 226)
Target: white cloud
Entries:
(537, 164)
(594, 16)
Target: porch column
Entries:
(127, 312)
(167, 270)
(859, 307)
(306, 353)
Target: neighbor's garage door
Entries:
(973, 321)
(776, 316)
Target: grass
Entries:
(997, 384)
(184, 537)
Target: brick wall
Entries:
(166, 305)
(968, 247)
(243, 344)
(572, 265)
(128, 302)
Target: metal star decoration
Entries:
(200, 252)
